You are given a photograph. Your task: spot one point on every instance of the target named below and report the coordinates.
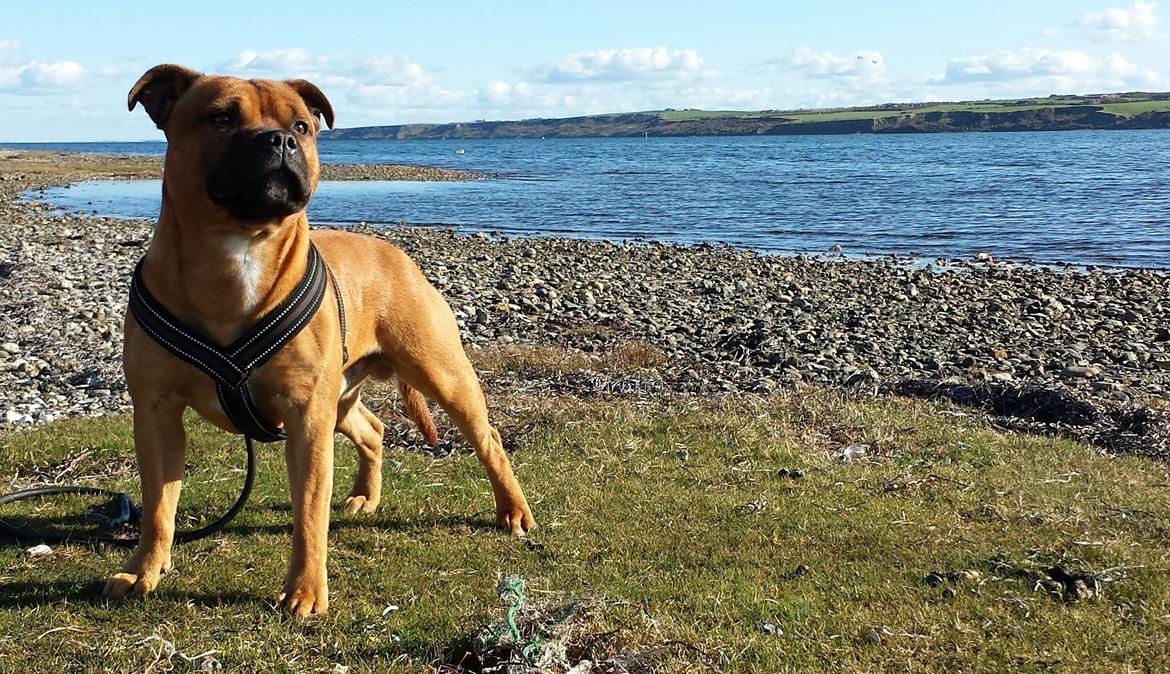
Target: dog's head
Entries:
(245, 147)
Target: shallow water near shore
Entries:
(1086, 198)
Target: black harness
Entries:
(231, 366)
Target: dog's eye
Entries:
(222, 119)
(301, 127)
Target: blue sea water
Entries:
(1086, 197)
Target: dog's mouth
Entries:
(260, 187)
(278, 187)
(272, 196)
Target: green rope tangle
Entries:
(506, 634)
(511, 590)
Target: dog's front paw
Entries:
(516, 519)
(136, 579)
(302, 598)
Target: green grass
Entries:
(685, 115)
(1137, 107)
(843, 115)
(702, 551)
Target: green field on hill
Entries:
(1055, 113)
(1126, 107)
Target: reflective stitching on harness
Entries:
(171, 347)
(224, 405)
(295, 328)
(290, 307)
(185, 333)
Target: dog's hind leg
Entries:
(365, 431)
(447, 377)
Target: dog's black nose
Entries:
(279, 140)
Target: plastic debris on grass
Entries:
(854, 452)
(536, 635)
(165, 653)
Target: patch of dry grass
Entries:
(75, 166)
(536, 360)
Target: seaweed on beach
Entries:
(1115, 427)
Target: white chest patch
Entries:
(246, 267)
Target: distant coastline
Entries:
(1056, 113)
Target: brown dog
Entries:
(232, 240)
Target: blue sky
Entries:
(65, 67)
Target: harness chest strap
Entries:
(233, 365)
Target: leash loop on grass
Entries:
(128, 513)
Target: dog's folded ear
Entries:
(318, 104)
(159, 88)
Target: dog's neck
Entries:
(221, 277)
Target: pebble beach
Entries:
(699, 320)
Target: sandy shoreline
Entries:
(594, 317)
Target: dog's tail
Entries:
(416, 409)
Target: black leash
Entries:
(230, 367)
(128, 513)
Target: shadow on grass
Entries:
(84, 524)
(340, 521)
(26, 594)
(78, 524)
(34, 529)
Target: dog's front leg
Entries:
(309, 455)
(160, 444)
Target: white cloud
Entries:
(504, 100)
(498, 94)
(1136, 22)
(21, 76)
(624, 65)
(870, 65)
(1114, 65)
(615, 80)
(1038, 72)
(1038, 65)
(601, 80)
(51, 75)
(817, 79)
(430, 98)
(495, 92)
(719, 98)
(363, 90)
(393, 71)
(1016, 64)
